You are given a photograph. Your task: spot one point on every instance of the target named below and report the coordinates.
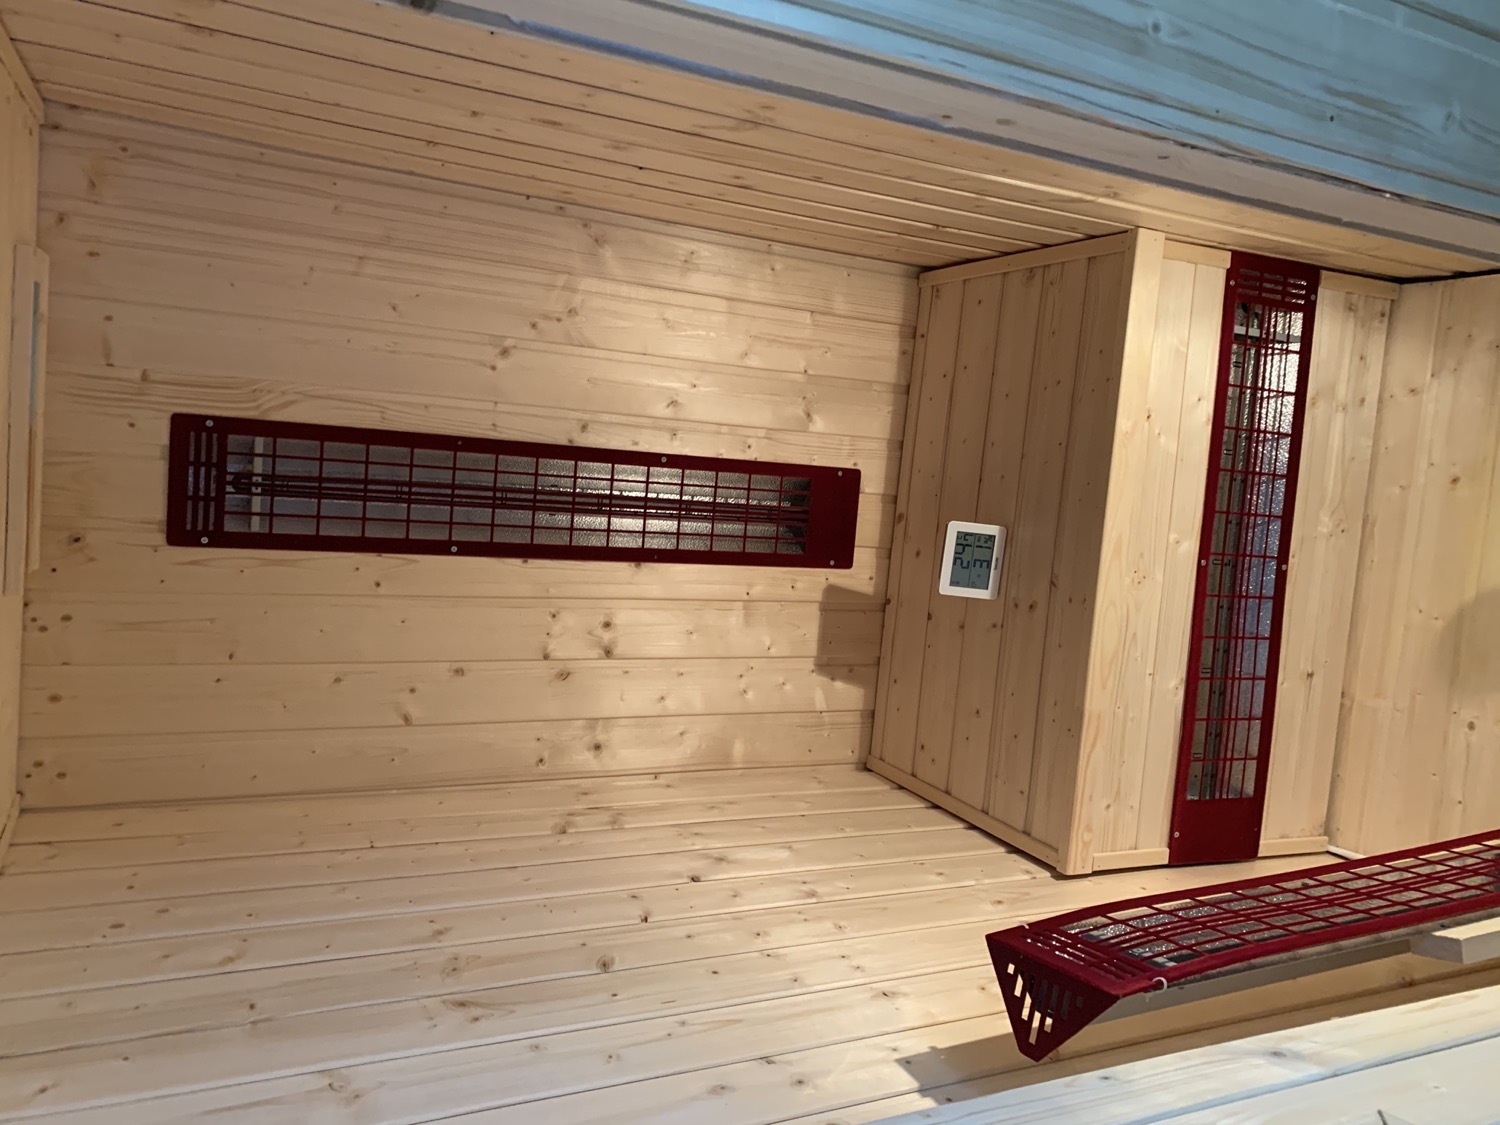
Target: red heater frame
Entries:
(258, 484)
(1229, 704)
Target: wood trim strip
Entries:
(1365, 286)
(11, 64)
(1140, 857)
(1198, 255)
(1297, 845)
(1030, 259)
(1004, 832)
(8, 830)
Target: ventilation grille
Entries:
(1061, 973)
(247, 483)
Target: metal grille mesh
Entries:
(249, 482)
(1244, 559)
(1073, 966)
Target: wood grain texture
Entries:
(19, 155)
(1344, 1071)
(901, 674)
(381, 87)
(1415, 758)
(1017, 429)
(220, 279)
(1343, 395)
(684, 939)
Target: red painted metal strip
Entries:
(1061, 973)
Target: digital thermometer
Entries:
(971, 558)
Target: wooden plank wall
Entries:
(1349, 342)
(20, 119)
(1419, 740)
(199, 274)
(1140, 645)
(1017, 383)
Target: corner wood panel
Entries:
(1013, 400)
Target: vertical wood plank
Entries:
(1338, 436)
(963, 456)
(1474, 731)
(1030, 546)
(1466, 397)
(1154, 316)
(903, 672)
(979, 700)
(1371, 726)
(1179, 571)
(1075, 560)
(1418, 678)
(898, 527)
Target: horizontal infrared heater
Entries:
(1060, 974)
(256, 485)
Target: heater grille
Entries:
(1243, 557)
(237, 482)
(1058, 974)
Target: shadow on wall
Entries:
(1473, 636)
(848, 644)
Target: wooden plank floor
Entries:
(739, 947)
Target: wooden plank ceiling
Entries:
(381, 85)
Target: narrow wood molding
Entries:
(1030, 259)
(9, 828)
(1297, 845)
(1001, 831)
(1140, 857)
(1192, 252)
(1365, 286)
(11, 63)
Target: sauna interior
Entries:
(334, 835)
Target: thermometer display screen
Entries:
(973, 558)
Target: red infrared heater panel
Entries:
(1060, 974)
(255, 485)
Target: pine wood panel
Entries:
(373, 84)
(1415, 757)
(1148, 567)
(1341, 1067)
(195, 629)
(1118, 312)
(957, 499)
(292, 290)
(1016, 397)
(668, 968)
(20, 113)
(1338, 436)
(1030, 552)
(932, 397)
